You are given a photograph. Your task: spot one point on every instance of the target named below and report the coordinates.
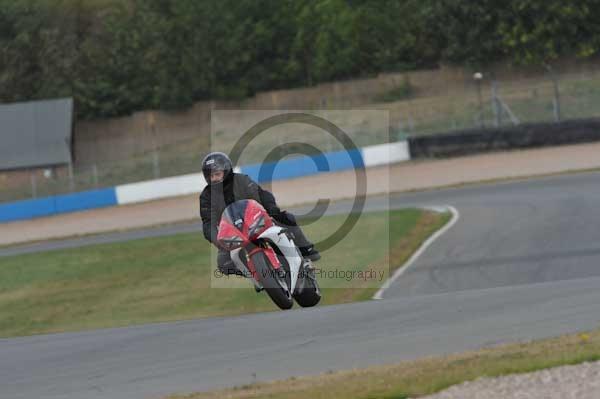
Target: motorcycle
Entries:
(266, 252)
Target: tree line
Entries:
(119, 56)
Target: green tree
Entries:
(116, 57)
(467, 31)
(539, 31)
(21, 67)
(393, 35)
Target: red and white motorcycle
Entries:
(266, 252)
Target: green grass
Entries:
(403, 91)
(169, 278)
(426, 376)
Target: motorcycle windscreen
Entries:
(234, 214)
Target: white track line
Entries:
(422, 248)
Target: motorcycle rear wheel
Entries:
(308, 294)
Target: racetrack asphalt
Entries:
(523, 262)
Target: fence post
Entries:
(496, 104)
(399, 134)
(556, 99)
(155, 159)
(95, 175)
(411, 124)
(33, 185)
(478, 76)
(71, 179)
(156, 164)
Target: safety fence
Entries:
(195, 183)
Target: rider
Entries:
(225, 187)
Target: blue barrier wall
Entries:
(86, 200)
(27, 209)
(284, 169)
(47, 206)
(304, 166)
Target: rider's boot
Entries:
(307, 249)
(310, 253)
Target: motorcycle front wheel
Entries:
(273, 280)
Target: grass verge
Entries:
(170, 278)
(426, 376)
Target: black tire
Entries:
(274, 284)
(308, 294)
